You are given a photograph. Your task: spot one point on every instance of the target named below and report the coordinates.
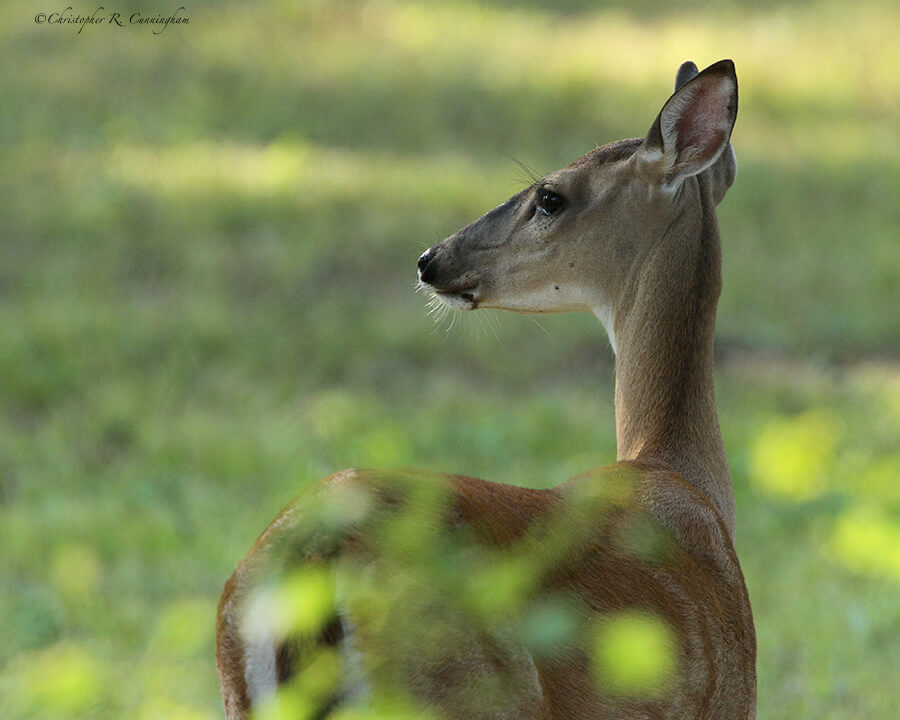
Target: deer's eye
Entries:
(548, 202)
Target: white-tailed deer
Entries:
(629, 232)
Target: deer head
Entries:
(575, 240)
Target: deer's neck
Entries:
(665, 400)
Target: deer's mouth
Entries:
(458, 290)
(458, 298)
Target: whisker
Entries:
(534, 320)
(492, 320)
(452, 322)
(527, 174)
(479, 324)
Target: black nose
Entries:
(424, 259)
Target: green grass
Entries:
(208, 242)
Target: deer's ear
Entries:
(688, 71)
(694, 126)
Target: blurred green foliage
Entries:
(636, 653)
(208, 241)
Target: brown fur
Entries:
(638, 240)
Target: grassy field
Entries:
(207, 253)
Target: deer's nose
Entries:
(424, 260)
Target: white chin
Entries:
(455, 301)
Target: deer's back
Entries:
(637, 537)
(633, 536)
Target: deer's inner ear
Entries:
(693, 127)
